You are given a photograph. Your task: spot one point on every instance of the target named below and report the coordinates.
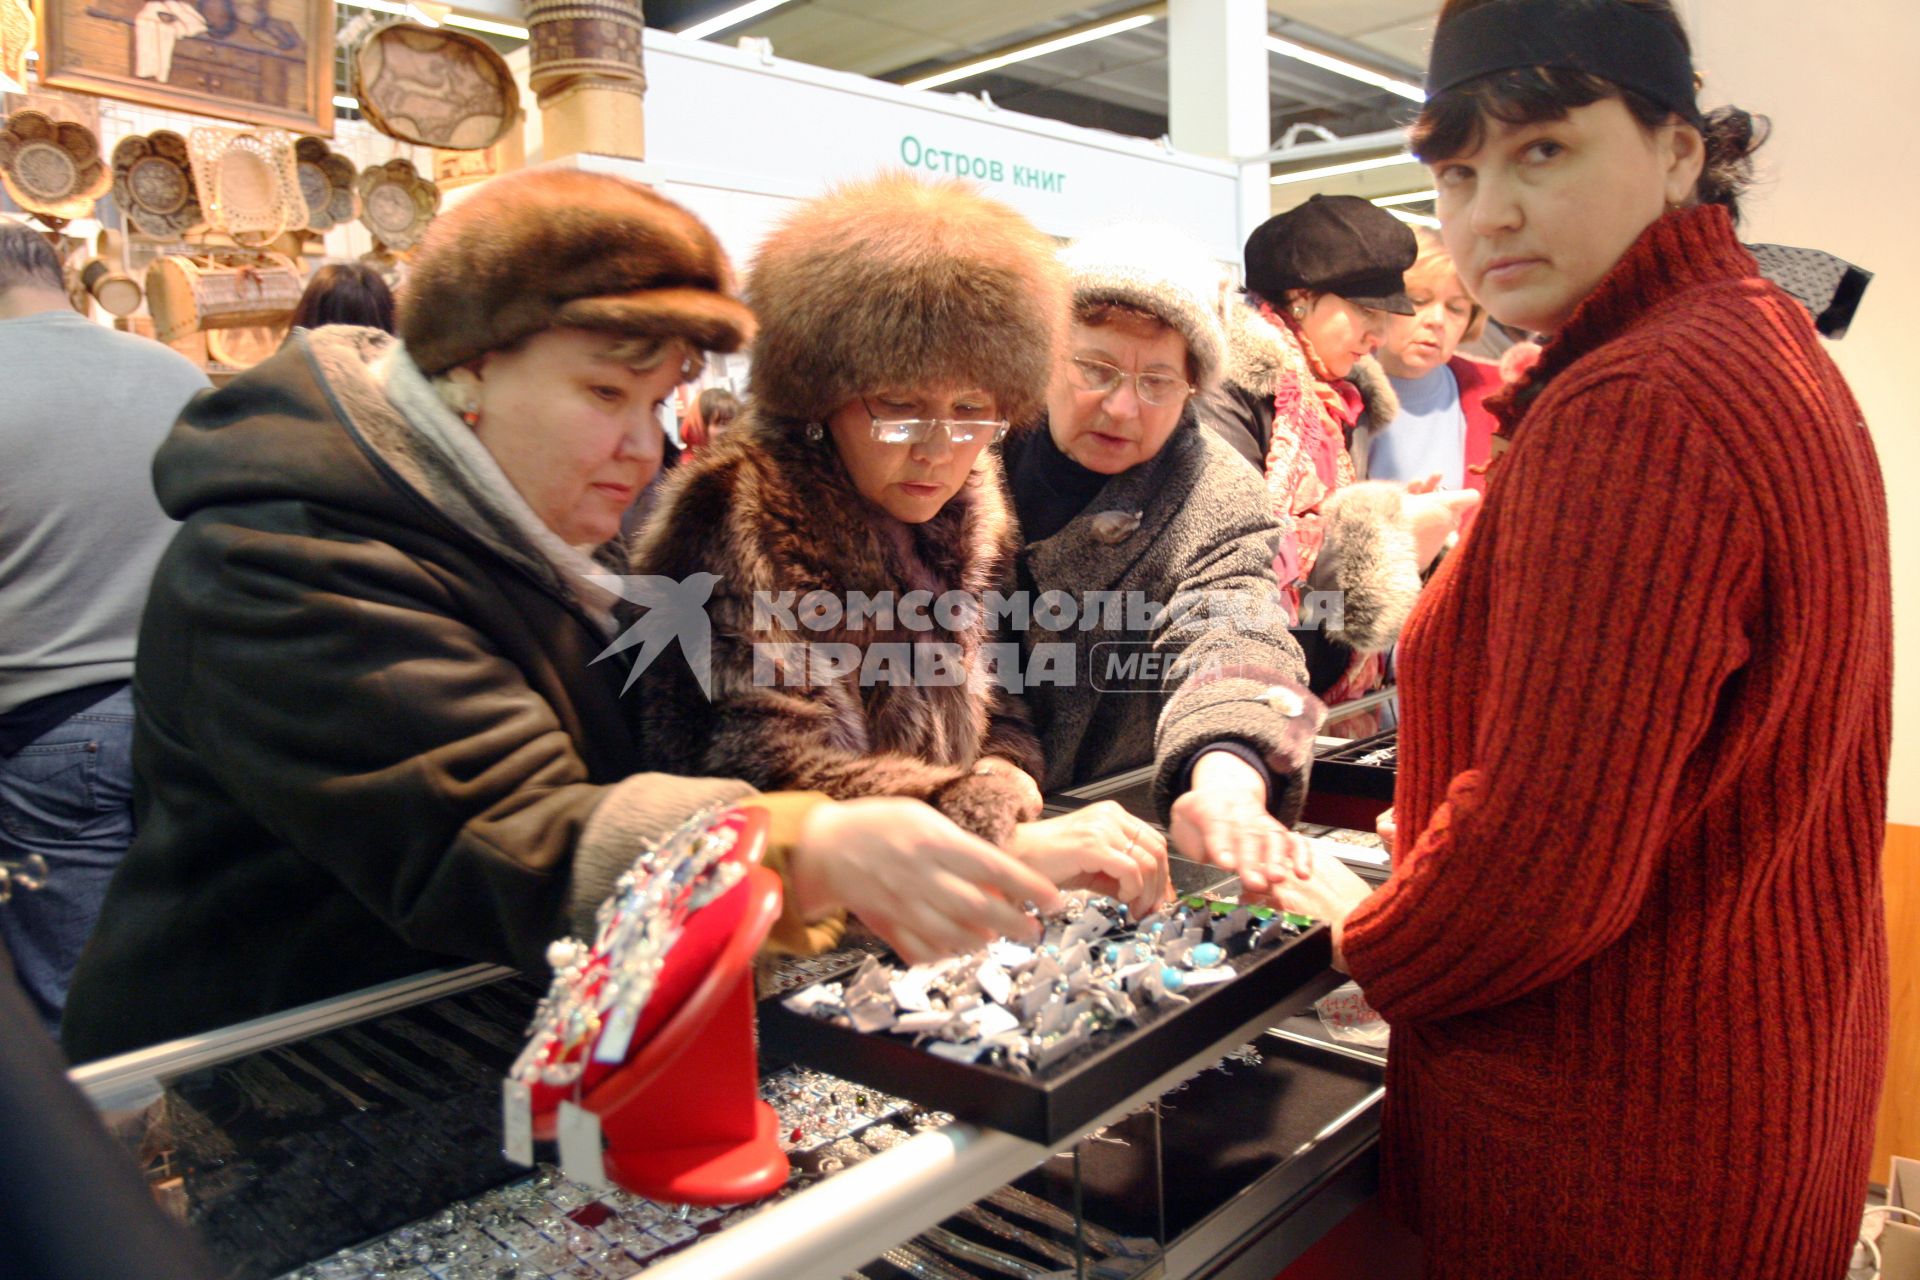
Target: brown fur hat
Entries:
(553, 247)
(899, 283)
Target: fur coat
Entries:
(842, 701)
(1366, 554)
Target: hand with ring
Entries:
(927, 887)
(1101, 847)
(1223, 820)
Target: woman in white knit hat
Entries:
(1163, 538)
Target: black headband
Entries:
(1610, 39)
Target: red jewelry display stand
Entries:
(682, 1115)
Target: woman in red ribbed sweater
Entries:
(1632, 950)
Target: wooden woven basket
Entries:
(220, 290)
(434, 86)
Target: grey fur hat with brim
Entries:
(1159, 270)
(895, 283)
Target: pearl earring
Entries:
(815, 433)
(1299, 311)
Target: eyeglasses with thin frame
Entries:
(1156, 389)
(919, 430)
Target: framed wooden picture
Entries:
(267, 62)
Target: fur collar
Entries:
(1255, 358)
(765, 510)
(396, 415)
(794, 522)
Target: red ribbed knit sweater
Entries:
(1633, 949)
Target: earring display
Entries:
(1038, 1040)
(600, 991)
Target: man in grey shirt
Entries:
(82, 409)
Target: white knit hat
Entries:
(1160, 270)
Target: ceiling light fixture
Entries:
(1039, 50)
(1337, 170)
(1417, 219)
(1341, 67)
(1412, 197)
(731, 18)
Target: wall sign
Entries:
(738, 121)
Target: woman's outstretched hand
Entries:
(928, 888)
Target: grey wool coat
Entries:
(1187, 529)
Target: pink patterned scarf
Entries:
(1307, 457)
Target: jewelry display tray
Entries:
(1356, 770)
(1052, 1104)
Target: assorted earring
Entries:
(1025, 1008)
(815, 433)
(460, 391)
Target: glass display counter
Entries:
(360, 1138)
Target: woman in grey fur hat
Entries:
(854, 522)
(376, 733)
(1180, 656)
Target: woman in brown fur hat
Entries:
(376, 731)
(856, 521)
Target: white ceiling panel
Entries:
(1408, 42)
(840, 41)
(881, 37)
(977, 21)
(1352, 19)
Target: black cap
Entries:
(1334, 244)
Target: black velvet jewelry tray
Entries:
(1348, 770)
(1051, 1104)
(1343, 791)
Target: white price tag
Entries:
(1210, 975)
(617, 1036)
(582, 1158)
(516, 1114)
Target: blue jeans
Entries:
(67, 796)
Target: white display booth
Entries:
(738, 134)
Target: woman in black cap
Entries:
(1322, 280)
(1633, 949)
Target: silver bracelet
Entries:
(343, 1058)
(1034, 1208)
(285, 1054)
(1051, 1250)
(439, 1048)
(922, 1265)
(478, 1026)
(992, 1259)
